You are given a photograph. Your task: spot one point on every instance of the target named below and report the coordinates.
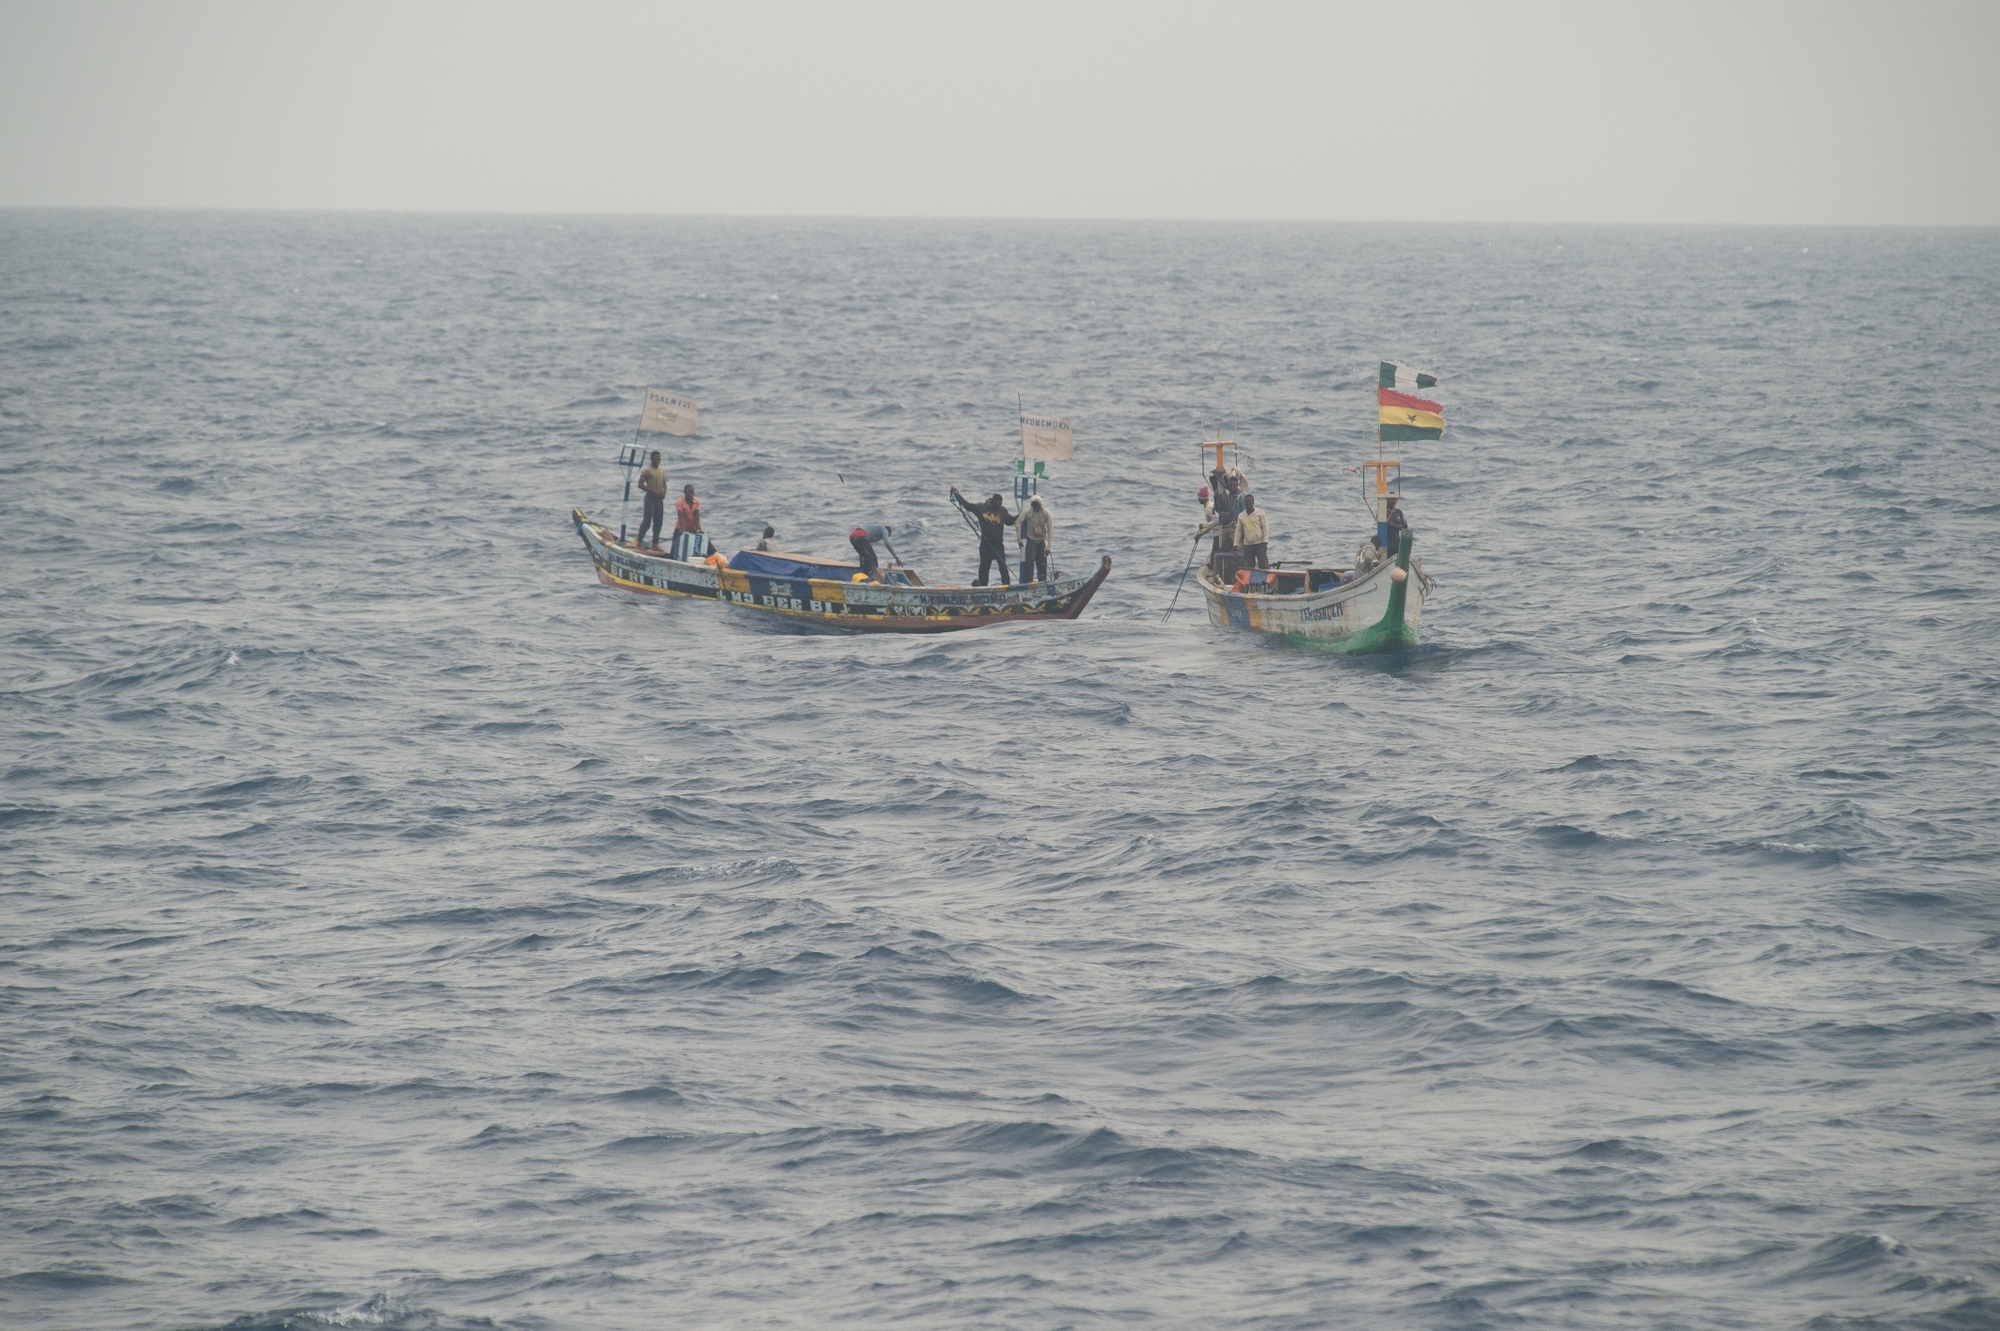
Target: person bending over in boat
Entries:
(653, 483)
(994, 520)
(1367, 557)
(1036, 528)
(863, 540)
(1253, 534)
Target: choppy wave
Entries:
(403, 930)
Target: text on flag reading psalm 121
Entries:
(669, 413)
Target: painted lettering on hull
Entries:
(791, 603)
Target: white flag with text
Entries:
(1046, 438)
(669, 413)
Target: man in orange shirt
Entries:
(687, 519)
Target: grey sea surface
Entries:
(398, 928)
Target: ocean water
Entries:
(399, 929)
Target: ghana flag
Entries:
(1404, 415)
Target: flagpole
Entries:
(625, 513)
(1380, 506)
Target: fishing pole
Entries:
(1184, 572)
(965, 515)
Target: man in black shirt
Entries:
(1398, 524)
(994, 522)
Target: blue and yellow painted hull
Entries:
(862, 606)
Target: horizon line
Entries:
(1128, 219)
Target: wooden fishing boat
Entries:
(812, 590)
(1378, 611)
(1375, 605)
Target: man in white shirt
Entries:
(1035, 528)
(1253, 534)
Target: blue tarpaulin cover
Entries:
(791, 566)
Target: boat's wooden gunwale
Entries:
(860, 607)
(1206, 578)
(1330, 615)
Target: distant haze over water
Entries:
(1840, 111)
(397, 928)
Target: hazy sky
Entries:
(1680, 112)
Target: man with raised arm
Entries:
(994, 520)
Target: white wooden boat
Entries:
(1379, 611)
(1373, 607)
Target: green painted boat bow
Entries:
(1389, 633)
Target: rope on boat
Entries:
(1184, 572)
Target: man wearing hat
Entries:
(1398, 524)
(1035, 529)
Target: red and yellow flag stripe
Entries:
(1389, 397)
(1407, 416)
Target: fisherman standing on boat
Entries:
(1227, 508)
(994, 520)
(764, 544)
(653, 482)
(1253, 534)
(1036, 528)
(687, 521)
(1398, 524)
(1221, 514)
